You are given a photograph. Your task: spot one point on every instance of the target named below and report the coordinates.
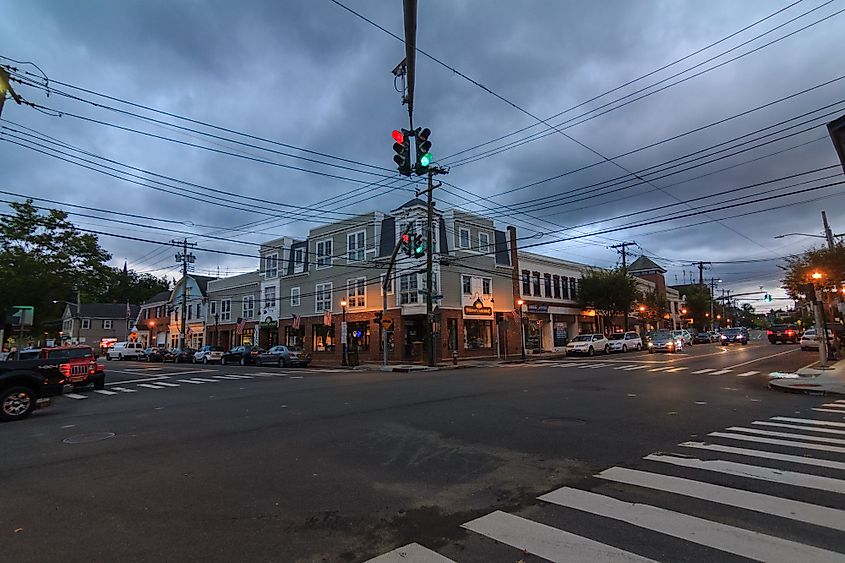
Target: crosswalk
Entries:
(645, 367)
(769, 490)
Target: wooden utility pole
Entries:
(429, 260)
(185, 258)
(621, 248)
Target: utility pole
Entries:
(621, 248)
(384, 287)
(713, 282)
(78, 317)
(429, 259)
(184, 257)
(701, 271)
(827, 232)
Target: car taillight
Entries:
(769, 332)
(789, 333)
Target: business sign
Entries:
(268, 324)
(538, 308)
(478, 309)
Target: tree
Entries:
(656, 307)
(830, 262)
(125, 285)
(44, 257)
(609, 292)
(697, 300)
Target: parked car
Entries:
(208, 354)
(624, 341)
(783, 334)
(703, 338)
(810, 339)
(589, 344)
(283, 356)
(242, 355)
(153, 355)
(715, 336)
(125, 351)
(684, 335)
(23, 383)
(738, 335)
(178, 356)
(665, 341)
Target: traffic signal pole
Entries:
(384, 287)
(429, 260)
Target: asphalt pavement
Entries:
(567, 458)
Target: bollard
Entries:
(454, 357)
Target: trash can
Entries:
(352, 358)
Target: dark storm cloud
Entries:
(312, 75)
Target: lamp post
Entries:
(520, 303)
(217, 329)
(643, 320)
(820, 320)
(153, 339)
(344, 336)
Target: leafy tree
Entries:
(656, 307)
(828, 261)
(44, 257)
(698, 304)
(609, 292)
(128, 285)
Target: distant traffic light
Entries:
(419, 246)
(406, 244)
(424, 157)
(767, 298)
(402, 147)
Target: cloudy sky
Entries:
(312, 75)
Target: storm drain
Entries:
(85, 438)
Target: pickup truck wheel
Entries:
(16, 403)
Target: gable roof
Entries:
(645, 264)
(412, 203)
(159, 297)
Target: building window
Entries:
(323, 297)
(226, 310)
(295, 299)
(298, 255)
(478, 335)
(107, 324)
(86, 324)
(249, 306)
(547, 282)
(483, 242)
(146, 313)
(434, 284)
(359, 336)
(573, 287)
(355, 246)
(487, 286)
(408, 289)
(324, 253)
(526, 282)
(464, 238)
(271, 266)
(294, 337)
(199, 310)
(389, 285)
(556, 279)
(212, 310)
(270, 297)
(356, 292)
(536, 279)
(466, 285)
(190, 311)
(564, 286)
(323, 337)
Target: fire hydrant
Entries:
(454, 357)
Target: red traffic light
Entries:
(398, 136)
(406, 238)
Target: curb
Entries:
(817, 389)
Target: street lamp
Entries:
(152, 325)
(344, 336)
(520, 303)
(216, 329)
(821, 324)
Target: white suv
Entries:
(125, 351)
(589, 344)
(625, 341)
(208, 354)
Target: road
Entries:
(228, 463)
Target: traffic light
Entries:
(406, 243)
(767, 298)
(402, 147)
(419, 246)
(424, 157)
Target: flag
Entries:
(297, 321)
(239, 329)
(327, 318)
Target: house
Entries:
(228, 301)
(195, 289)
(98, 324)
(153, 320)
(647, 269)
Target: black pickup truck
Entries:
(23, 382)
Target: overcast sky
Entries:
(312, 75)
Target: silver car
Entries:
(665, 342)
(208, 354)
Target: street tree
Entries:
(125, 285)
(656, 307)
(830, 262)
(697, 300)
(44, 257)
(609, 292)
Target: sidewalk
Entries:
(813, 381)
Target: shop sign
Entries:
(268, 324)
(478, 309)
(538, 308)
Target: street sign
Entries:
(387, 324)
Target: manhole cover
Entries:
(85, 438)
(562, 422)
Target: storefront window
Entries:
(294, 337)
(248, 337)
(359, 336)
(560, 334)
(478, 334)
(323, 338)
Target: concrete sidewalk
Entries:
(814, 381)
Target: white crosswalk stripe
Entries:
(809, 421)
(778, 442)
(76, 396)
(190, 381)
(545, 541)
(765, 454)
(125, 390)
(745, 543)
(151, 386)
(204, 380)
(676, 370)
(777, 434)
(234, 376)
(411, 553)
(229, 377)
(166, 384)
(834, 405)
(664, 368)
(829, 410)
(721, 372)
(747, 373)
(797, 427)
(625, 367)
(634, 368)
(707, 370)
(105, 392)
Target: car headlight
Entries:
(651, 344)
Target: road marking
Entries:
(229, 377)
(125, 390)
(767, 504)
(796, 427)
(747, 373)
(634, 368)
(296, 377)
(675, 370)
(809, 421)
(776, 442)
(779, 476)
(589, 366)
(627, 367)
(787, 435)
(763, 358)
(834, 405)
(721, 371)
(205, 380)
(545, 541)
(699, 372)
(745, 543)
(190, 381)
(153, 378)
(76, 396)
(167, 384)
(104, 392)
(764, 454)
(411, 553)
(828, 410)
(148, 386)
(661, 369)
(233, 376)
(190, 371)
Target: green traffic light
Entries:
(425, 160)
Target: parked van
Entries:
(125, 351)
